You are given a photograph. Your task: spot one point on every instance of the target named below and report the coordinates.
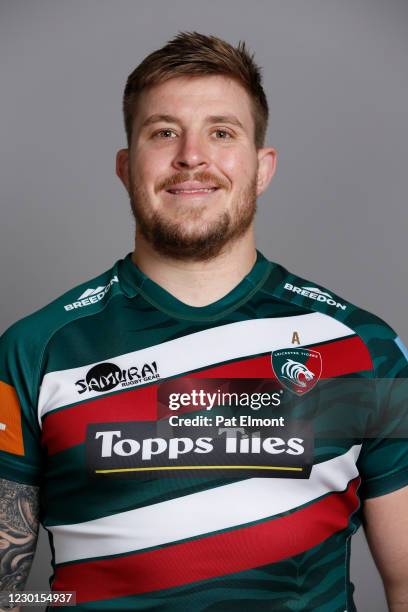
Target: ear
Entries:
(122, 167)
(266, 168)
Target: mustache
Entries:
(201, 177)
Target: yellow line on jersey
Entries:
(201, 467)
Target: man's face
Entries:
(192, 167)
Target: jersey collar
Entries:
(134, 282)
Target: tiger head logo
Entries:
(297, 372)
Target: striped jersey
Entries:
(203, 458)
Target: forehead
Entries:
(195, 97)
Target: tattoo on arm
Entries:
(19, 509)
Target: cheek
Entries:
(239, 167)
(148, 168)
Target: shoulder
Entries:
(387, 350)
(30, 334)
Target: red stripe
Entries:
(67, 427)
(212, 556)
(344, 357)
(339, 357)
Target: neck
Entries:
(197, 283)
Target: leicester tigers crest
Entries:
(297, 368)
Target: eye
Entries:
(165, 133)
(223, 134)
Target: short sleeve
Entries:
(383, 461)
(20, 447)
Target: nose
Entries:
(191, 153)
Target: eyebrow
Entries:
(225, 119)
(157, 118)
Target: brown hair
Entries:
(195, 54)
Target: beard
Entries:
(186, 237)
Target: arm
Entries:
(385, 522)
(19, 505)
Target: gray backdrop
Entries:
(336, 76)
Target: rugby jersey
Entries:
(146, 510)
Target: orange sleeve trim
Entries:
(11, 432)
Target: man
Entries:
(147, 508)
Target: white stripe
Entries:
(201, 513)
(200, 350)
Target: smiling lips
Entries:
(192, 188)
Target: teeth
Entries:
(192, 190)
